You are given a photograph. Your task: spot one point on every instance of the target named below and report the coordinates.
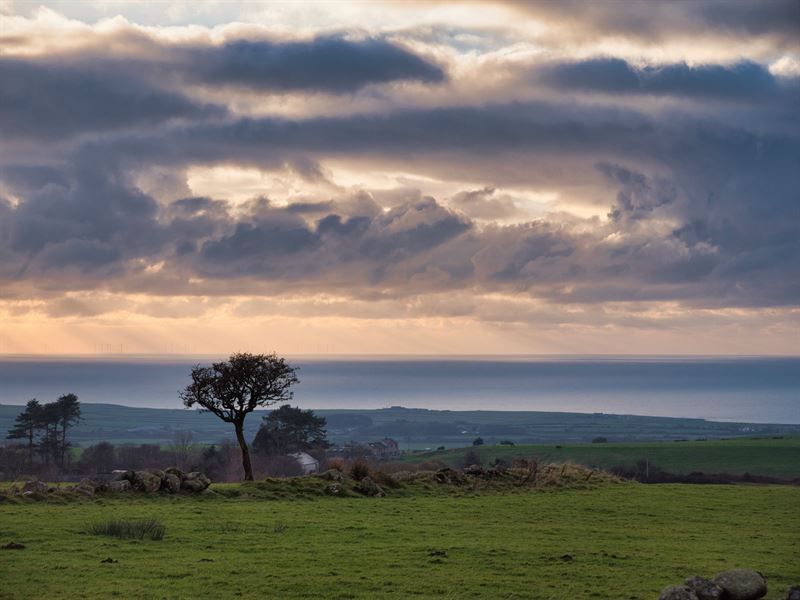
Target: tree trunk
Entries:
(248, 468)
(63, 445)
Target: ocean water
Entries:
(765, 390)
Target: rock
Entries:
(157, 472)
(109, 560)
(742, 584)
(476, 470)
(703, 588)
(120, 475)
(369, 488)
(123, 485)
(208, 492)
(13, 546)
(195, 482)
(86, 487)
(38, 487)
(175, 471)
(332, 475)
(677, 592)
(334, 489)
(145, 481)
(171, 483)
(793, 593)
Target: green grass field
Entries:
(625, 541)
(773, 457)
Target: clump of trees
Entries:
(290, 429)
(43, 430)
(234, 388)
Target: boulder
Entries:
(145, 481)
(175, 471)
(85, 487)
(677, 592)
(703, 588)
(369, 488)
(39, 487)
(195, 482)
(793, 593)
(742, 584)
(475, 470)
(122, 475)
(157, 472)
(332, 475)
(123, 485)
(171, 483)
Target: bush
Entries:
(359, 470)
(506, 443)
(137, 529)
(471, 458)
(600, 440)
(478, 441)
(385, 479)
(336, 463)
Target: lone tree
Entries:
(233, 389)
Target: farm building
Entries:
(308, 463)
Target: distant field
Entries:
(614, 542)
(773, 457)
(413, 428)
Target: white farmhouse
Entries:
(308, 463)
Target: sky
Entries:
(436, 178)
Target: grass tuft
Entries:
(134, 529)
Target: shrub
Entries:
(336, 463)
(478, 441)
(471, 458)
(600, 440)
(506, 443)
(137, 529)
(359, 470)
(385, 479)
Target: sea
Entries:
(738, 389)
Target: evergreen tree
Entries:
(290, 429)
(66, 412)
(26, 426)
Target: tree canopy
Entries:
(234, 388)
(290, 429)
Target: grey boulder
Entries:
(677, 592)
(195, 482)
(171, 483)
(145, 481)
(369, 488)
(793, 593)
(123, 485)
(704, 589)
(742, 584)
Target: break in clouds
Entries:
(388, 166)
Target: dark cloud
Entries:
(327, 64)
(741, 81)
(41, 100)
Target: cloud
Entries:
(50, 101)
(744, 80)
(325, 64)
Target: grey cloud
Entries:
(52, 100)
(329, 64)
(741, 81)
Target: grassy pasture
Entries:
(774, 457)
(615, 541)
